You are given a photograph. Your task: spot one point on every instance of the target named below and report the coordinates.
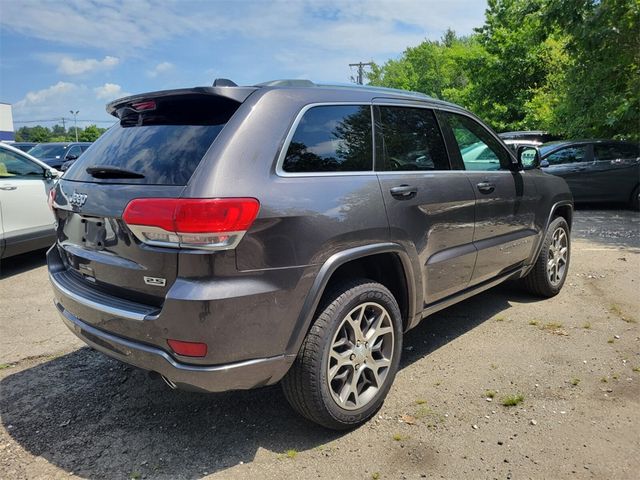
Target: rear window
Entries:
(165, 144)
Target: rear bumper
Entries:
(217, 378)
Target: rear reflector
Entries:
(209, 223)
(188, 349)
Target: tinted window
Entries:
(614, 151)
(568, 155)
(409, 139)
(164, 144)
(331, 139)
(13, 165)
(478, 148)
(45, 150)
(74, 151)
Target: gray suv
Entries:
(233, 237)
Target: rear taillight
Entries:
(207, 223)
(52, 198)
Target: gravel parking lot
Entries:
(571, 364)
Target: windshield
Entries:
(47, 151)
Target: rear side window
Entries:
(409, 139)
(12, 165)
(334, 138)
(615, 151)
(165, 143)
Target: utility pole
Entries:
(75, 121)
(360, 66)
(64, 126)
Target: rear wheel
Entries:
(547, 276)
(349, 358)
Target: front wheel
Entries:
(548, 274)
(349, 358)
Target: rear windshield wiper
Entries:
(106, 171)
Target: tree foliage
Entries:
(569, 67)
(58, 133)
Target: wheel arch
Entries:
(367, 261)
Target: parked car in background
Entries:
(24, 146)
(55, 154)
(232, 237)
(526, 137)
(26, 221)
(595, 170)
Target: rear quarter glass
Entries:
(165, 144)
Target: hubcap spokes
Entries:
(558, 256)
(360, 356)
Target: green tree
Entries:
(90, 134)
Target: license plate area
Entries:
(94, 233)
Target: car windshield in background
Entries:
(164, 154)
(47, 151)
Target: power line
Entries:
(360, 66)
(63, 119)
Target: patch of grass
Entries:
(493, 366)
(615, 377)
(397, 437)
(512, 400)
(420, 401)
(499, 319)
(575, 382)
(611, 340)
(437, 384)
(604, 380)
(292, 453)
(533, 322)
(5, 365)
(555, 328)
(375, 476)
(635, 369)
(490, 393)
(586, 326)
(617, 311)
(423, 411)
(135, 476)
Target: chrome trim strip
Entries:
(95, 305)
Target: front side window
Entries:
(409, 139)
(478, 148)
(568, 155)
(13, 165)
(74, 151)
(334, 138)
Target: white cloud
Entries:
(160, 69)
(50, 104)
(110, 91)
(70, 66)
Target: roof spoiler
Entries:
(237, 94)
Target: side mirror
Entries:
(51, 174)
(544, 164)
(528, 156)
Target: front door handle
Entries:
(8, 187)
(404, 192)
(486, 187)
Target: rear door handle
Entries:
(8, 187)
(486, 187)
(404, 192)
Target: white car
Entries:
(26, 222)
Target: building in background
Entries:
(6, 123)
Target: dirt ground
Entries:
(66, 411)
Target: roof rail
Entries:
(287, 83)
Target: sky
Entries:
(57, 56)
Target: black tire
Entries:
(537, 280)
(306, 385)
(634, 201)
